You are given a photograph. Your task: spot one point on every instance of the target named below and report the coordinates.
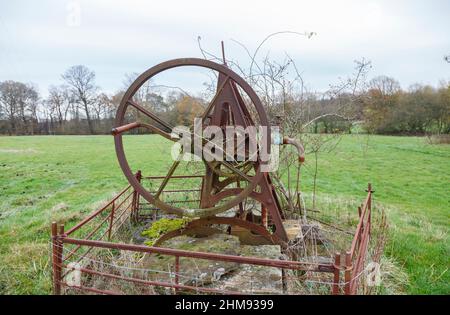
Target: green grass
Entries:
(65, 177)
(412, 179)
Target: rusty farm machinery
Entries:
(226, 183)
(213, 192)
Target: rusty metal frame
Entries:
(356, 256)
(227, 107)
(351, 266)
(256, 228)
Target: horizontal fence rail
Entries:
(96, 233)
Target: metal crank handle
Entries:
(298, 145)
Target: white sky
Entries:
(405, 39)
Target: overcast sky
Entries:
(404, 39)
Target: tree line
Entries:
(387, 109)
(78, 106)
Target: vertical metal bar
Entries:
(206, 189)
(348, 273)
(223, 53)
(60, 248)
(135, 200)
(55, 261)
(201, 191)
(358, 242)
(177, 271)
(337, 264)
(264, 215)
(111, 219)
(241, 207)
(369, 206)
(283, 280)
(136, 209)
(133, 205)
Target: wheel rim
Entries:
(120, 116)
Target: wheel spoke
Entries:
(166, 179)
(136, 124)
(124, 128)
(150, 114)
(160, 132)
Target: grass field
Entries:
(64, 177)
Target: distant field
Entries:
(64, 177)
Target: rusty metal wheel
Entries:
(164, 129)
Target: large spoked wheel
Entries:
(164, 129)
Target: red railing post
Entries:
(348, 273)
(346, 266)
(360, 213)
(56, 273)
(337, 267)
(56, 257)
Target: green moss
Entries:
(163, 226)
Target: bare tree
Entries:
(33, 101)
(82, 84)
(18, 101)
(8, 103)
(58, 102)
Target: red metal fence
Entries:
(94, 236)
(356, 257)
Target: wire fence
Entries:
(97, 256)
